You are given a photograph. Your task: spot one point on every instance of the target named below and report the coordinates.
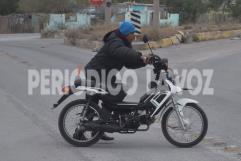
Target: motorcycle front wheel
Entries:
(195, 123)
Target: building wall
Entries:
(138, 8)
(146, 18)
(146, 13)
(56, 21)
(62, 21)
(172, 19)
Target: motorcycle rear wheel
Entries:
(74, 135)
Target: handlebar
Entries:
(159, 64)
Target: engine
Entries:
(130, 121)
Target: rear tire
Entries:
(188, 144)
(74, 138)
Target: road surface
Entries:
(29, 127)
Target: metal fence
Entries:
(215, 18)
(21, 23)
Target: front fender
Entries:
(184, 101)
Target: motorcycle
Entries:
(83, 122)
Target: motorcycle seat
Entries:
(86, 83)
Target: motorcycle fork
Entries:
(179, 114)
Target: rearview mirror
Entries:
(145, 39)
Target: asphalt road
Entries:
(29, 127)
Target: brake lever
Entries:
(187, 89)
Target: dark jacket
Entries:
(116, 53)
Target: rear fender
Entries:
(94, 90)
(78, 91)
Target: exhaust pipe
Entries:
(102, 127)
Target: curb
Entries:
(205, 36)
(197, 37)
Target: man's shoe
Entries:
(79, 135)
(106, 138)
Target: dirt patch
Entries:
(52, 34)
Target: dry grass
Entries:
(156, 34)
(48, 34)
(76, 34)
(96, 32)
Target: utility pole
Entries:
(156, 13)
(108, 5)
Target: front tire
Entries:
(168, 127)
(73, 135)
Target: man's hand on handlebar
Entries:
(156, 61)
(164, 63)
(146, 59)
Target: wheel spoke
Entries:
(73, 123)
(192, 121)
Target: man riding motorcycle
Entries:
(116, 53)
(103, 111)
